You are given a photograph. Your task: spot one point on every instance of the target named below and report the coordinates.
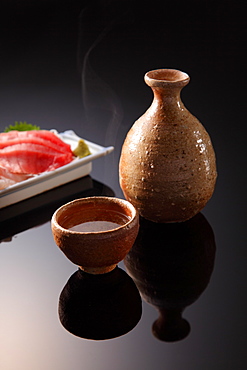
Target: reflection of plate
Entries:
(79, 167)
(39, 209)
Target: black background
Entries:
(79, 65)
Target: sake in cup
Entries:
(95, 233)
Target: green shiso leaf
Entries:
(21, 126)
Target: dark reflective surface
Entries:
(171, 265)
(79, 65)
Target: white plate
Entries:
(79, 167)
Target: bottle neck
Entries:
(167, 98)
(167, 85)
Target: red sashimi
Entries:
(33, 152)
(32, 158)
(42, 137)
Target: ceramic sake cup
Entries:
(95, 252)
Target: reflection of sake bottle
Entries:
(171, 265)
(170, 325)
(167, 166)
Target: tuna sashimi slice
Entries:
(42, 137)
(29, 158)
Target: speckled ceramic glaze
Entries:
(167, 167)
(95, 252)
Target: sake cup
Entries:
(95, 233)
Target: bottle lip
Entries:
(168, 77)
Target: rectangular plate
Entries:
(79, 167)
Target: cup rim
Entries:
(119, 201)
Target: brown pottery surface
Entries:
(167, 168)
(95, 252)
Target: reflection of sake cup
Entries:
(101, 306)
(95, 233)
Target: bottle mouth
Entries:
(159, 77)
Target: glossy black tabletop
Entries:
(178, 301)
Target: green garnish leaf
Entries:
(21, 126)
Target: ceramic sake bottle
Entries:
(167, 167)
